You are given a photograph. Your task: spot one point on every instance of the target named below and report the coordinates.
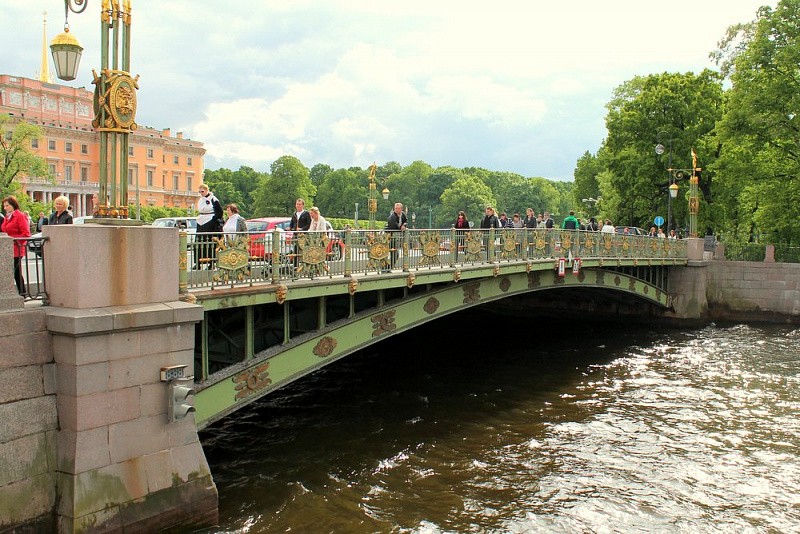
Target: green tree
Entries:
(16, 157)
(759, 162)
(288, 180)
(409, 186)
(586, 185)
(318, 173)
(679, 110)
(339, 192)
(468, 194)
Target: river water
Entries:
(531, 426)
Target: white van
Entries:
(189, 223)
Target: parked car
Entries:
(632, 230)
(261, 229)
(188, 223)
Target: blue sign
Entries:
(659, 220)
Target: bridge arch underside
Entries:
(340, 329)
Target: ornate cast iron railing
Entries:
(241, 259)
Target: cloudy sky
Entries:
(515, 85)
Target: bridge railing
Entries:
(247, 258)
(32, 268)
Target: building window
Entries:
(52, 167)
(130, 151)
(130, 176)
(51, 145)
(68, 173)
(175, 160)
(67, 146)
(175, 179)
(149, 178)
(84, 149)
(189, 163)
(84, 174)
(189, 184)
(149, 153)
(34, 143)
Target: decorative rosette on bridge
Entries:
(232, 259)
(312, 247)
(430, 244)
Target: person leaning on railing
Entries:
(235, 223)
(16, 224)
(209, 222)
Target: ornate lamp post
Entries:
(673, 173)
(114, 96)
(373, 195)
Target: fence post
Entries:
(348, 251)
(769, 254)
(183, 263)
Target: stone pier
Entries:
(100, 455)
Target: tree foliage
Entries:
(16, 157)
(759, 162)
(679, 111)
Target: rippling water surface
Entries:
(526, 427)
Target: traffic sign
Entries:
(659, 220)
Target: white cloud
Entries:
(517, 86)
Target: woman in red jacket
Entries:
(15, 224)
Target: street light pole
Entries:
(673, 187)
(114, 96)
(372, 201)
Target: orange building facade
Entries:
(163, 170)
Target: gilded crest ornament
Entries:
(383, 323)
(325, 347)
(430, 244)
(566, 241)
(352, 287)
(251, 381)
(608, 243)
(473, 246)
(510, 243)
(312, 256)
(540, 240)
(528, 267)
(378, 250)
(232, 259)
(496, 271)
(410, 280)
(533, 280)
(118, 101)
(456, 275)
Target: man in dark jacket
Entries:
(489, 220)
(397, 222)
(301, 222)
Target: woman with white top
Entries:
(234, 224)
(317, 221)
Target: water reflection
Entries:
(578, 429)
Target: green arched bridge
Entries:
(278, 307)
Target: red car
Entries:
(261, 235)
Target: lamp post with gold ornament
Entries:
(372, 201)
(114, 96)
